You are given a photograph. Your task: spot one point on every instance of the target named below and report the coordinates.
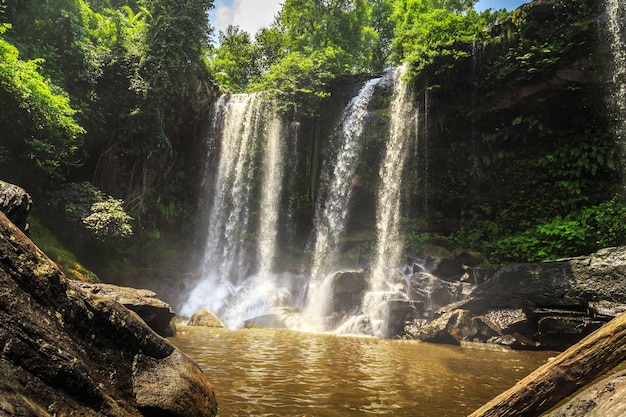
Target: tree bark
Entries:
(577, 366)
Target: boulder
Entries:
(509, 320)
(15, 203)
(451, 328)
(401, 312)
(266, 321)
(433, 292)
(156, 313)
(348, 288)
(549, 305)
(64, 351)
(569, 282)
(173, 386)
(205, 318)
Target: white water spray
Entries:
(332, 207)
(389, 245)
(616, 22)
(246, 127)
(273, 167)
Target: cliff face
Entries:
(515, 142)
(64, 351)
(519, 133)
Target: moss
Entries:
(65, 259)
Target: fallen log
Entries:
(596, 354)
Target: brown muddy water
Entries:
(287, 373)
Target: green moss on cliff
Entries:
(65, 259)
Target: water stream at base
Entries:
(282, 373)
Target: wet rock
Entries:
(469, 258)
(348, 288)
(64, 351)
(485, 329)
(445, 268)
(205, 318)
(156, 313)
(173, 386)
(569, 282)
(606, 308)
(433, 292)
(510, 320)
(451, 328)
(267, 321)
(15, 203)
(400, 312)
(515, 341)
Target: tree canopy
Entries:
(312, 43)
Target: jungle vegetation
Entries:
(104, 106)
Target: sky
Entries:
(252, 15)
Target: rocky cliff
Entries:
(64, 351)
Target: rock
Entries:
(606, 398)
(267, 321)
(446, 268)
(348, 288)
(509, 320)
(205, 318)
(569, 282)
(401, 312)
(451, 328)
(469, 258)
(562, 331)
(156, 313)
(174, 386)
(433, 292)
(64, 351)
(15, 203)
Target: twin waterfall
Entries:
(245, 182)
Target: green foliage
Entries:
(578, 233)
(536, 47)
(40, 133)
(434, 39)
(88, 209)
(234, 62)
(310, 44)
(300, 82)
(56, 251)
(108, 220)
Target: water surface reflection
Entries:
(287, 373)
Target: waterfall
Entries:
(273, 167)
(332, 205)
(616, 12)
(245, 126)
(389, 245)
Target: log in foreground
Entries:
(577, 366)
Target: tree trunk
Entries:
(577, 366)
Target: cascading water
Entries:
(273, 166)
(332, 207)
(389, 241)
(616, 22)
(389, 244)
(245, 126)
(239, 281)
